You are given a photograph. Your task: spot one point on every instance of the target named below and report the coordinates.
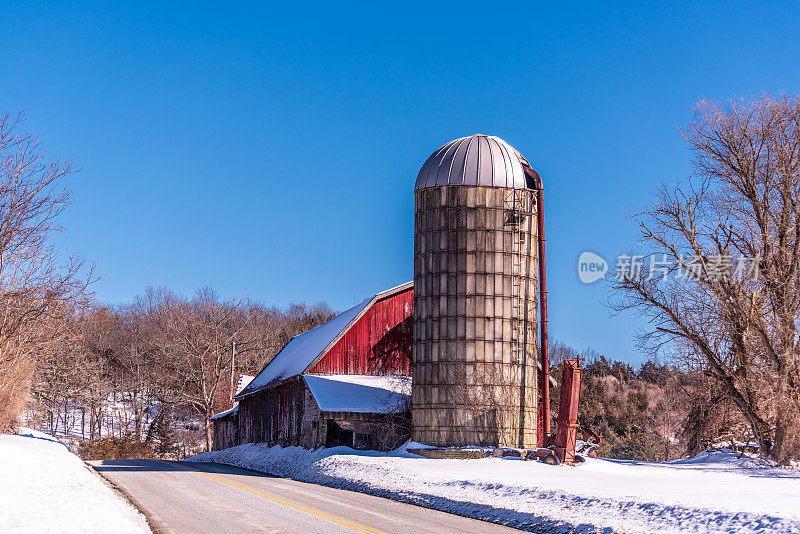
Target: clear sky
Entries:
(271, 150)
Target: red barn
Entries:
(346, 382)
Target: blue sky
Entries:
(271, 150)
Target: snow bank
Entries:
(713, 492)
(45, 488)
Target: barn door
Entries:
(338, 436)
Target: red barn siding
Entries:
(378, 344)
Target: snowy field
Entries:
(712, 492)
(45, 488)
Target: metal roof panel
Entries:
(478, 159)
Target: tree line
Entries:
(655, 411)
(153, 370)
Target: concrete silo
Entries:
(477, 378)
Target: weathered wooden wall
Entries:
(287, 415)
(314, 426)
(378, 344)
(273, 415)
(225, 432)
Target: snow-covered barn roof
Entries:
(360, 393)
(226, 413)
(304, 350)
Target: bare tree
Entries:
(722, 287)
(197, 338)
(558, 352)
(144, 373)
(36, 281)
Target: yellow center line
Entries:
(279, 500)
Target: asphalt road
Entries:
(183, 497)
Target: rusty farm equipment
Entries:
(559, 447)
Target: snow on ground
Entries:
(713, 492)
(46, 488)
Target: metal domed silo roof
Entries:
(478, 159)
